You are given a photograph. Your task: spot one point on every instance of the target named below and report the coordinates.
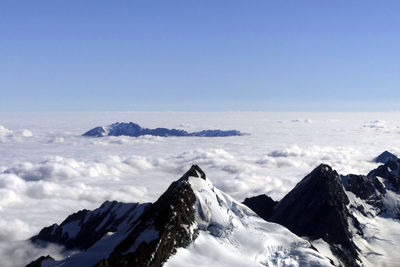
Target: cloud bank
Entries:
(50, 171)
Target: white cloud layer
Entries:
(54, 172)
(7, 135)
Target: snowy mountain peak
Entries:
(194, 171)
(191, 219)
(236, 236)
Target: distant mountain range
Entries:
(334, 220)
(135, 130)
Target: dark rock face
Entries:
(84, 228)
(171, 215)
(135, 130)
(364, 187)
(38, 262)
(316, 208)
(367, 188)
(385, 157)
(263, 205)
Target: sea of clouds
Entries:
(48, 170)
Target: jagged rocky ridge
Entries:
(135, 130)
(184, 221)
(81, 230)
(354, 218)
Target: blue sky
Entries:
(199, 55)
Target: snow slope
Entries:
(233, 235)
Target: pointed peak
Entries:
(385, 156)
(322, 171)
(194, 171)
(323, 168)
(323, 176)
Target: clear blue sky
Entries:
(194, 55)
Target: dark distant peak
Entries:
(135, 130)
(263, 205)
(385, 157)
(194, 171)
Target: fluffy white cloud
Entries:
(4, 131)
(7, 135)
(47, 176)
(26, 133)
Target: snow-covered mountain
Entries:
(133, 129)
(326, 219)
(352, 219)
(191, 224)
